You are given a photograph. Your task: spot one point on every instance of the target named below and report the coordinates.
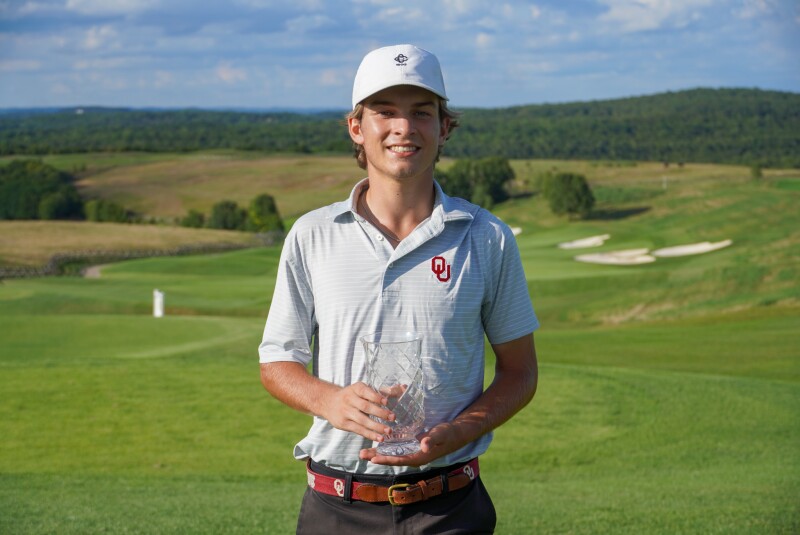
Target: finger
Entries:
(360, 410)
(367, 454)
(365, 392)
(426, 445)
(362, 424)
(417, 459)
(371, 403)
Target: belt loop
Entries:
(445, 485)
(348, 488)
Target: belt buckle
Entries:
(392, 489)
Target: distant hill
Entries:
(700, 125)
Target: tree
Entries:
(263, 214)
(193, 219)
(63, 204)
(492, 175)
(480, 181)
(103, 211)
(227, 215)
(24, 184)
(456, 181)
(568, 193)
(755, 171)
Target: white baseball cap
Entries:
(397, 65)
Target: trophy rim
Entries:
(392, 337)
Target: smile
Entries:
(403, 148)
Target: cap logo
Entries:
(401, 59)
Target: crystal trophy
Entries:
(394, 370)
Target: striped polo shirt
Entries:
(457, 276)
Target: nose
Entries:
(403, 124)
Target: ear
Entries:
(354, 129)
(444, 128)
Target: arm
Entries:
(345, 408)
(514, 384)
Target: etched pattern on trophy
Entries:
(394, 369)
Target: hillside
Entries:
(33, 243)
(742, 126)
(703, 125)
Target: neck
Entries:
(396, 208)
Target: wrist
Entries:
(325, 400)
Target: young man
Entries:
(399, 255)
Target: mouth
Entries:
(404, 150)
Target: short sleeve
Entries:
(507, 312)
(291, 321)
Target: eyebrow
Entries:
(420, 104)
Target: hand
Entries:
(437, 442)
(350, 408)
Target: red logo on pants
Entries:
(442, 269)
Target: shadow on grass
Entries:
(523, 195)
(612, 214)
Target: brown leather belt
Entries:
(398, 494)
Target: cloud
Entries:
(483, 40)
(60, 88)
(29, 8)
(307, 23)
(19, 65)
(98, 36)
(642, 15)
(751, 9)
(163, 79)
(305, 5)
(462, 7)
(402, 14)
(229, 74)
(100, 64)
(331, 77)
(109, 7)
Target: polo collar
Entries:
(445, 208)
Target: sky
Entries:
(303, 54)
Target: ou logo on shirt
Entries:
(441, 268)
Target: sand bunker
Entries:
(628, 257)
(690, 249)
(593, 241)
(516, 231)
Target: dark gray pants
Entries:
(467, 510)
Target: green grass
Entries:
(668, 401)
(791, 184)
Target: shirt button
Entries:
(391, 265)
(379, 237)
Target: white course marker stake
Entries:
(158, 304)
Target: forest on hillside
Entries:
(741, 126)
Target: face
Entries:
(401, 133)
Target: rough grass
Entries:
(33, 243)
(170, 188)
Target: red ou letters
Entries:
(441, 268)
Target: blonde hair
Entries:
(444, 113)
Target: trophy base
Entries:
(397, 449)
